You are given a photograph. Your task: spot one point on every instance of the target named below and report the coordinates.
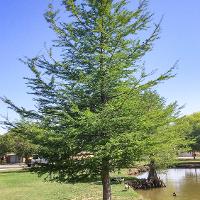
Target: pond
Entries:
(184, 182)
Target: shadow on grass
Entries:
(116, 180)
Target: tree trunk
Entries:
(152, 171)
(27, 160)
(153, 178)
(194, 155)
(106, 181)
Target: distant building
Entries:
(12, 158)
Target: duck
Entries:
(174, 194)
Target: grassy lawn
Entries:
(25, 185)
(188, 161)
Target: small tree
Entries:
(165, 145)
(21, 144)
(18, 140)
(5, 145)
(93, 107)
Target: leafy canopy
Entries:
(95, 106)
(193, 133)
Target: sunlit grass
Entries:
(25, 185)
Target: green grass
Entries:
(25, 185)
(190, 160)
(185, 160)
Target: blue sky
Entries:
(23, 32)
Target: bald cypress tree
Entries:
(91, 94)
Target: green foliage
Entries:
(193, 133)
(168, 142)
(95, 105)
(5, 145)
(16, 140)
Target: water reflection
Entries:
(184, 182)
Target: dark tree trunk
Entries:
(106, 180)
(152, 171)
(194, 155)
(153, 178)
(27, 160)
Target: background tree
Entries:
(5, 145)
(166, 135)
(17, 140)
(92, 98)
(193, 121)
(165, 145)
(21, 142)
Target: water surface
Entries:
(184, 182)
